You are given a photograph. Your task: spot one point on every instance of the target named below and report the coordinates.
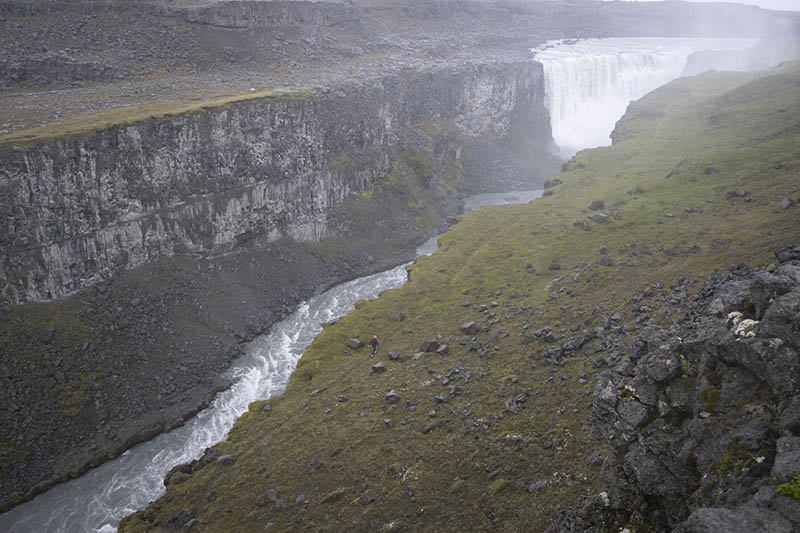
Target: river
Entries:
(99, 499)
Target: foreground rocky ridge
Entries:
(703, 414)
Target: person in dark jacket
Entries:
(374, 343)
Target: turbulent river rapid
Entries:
(99, 499)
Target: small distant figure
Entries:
(374, 343)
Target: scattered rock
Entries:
(354, 344)
(730, 195)
(538, 485)
(469, 328)
(605, 261)
(581, 224)
(377, 368)
(429, 346)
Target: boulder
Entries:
(354, 344)
(581, 224)
(429, 346)
(597, 205)
(787, 460)
(782, 319)
(469, 328)
(766, 287)
(788, 253)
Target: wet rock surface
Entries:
(701, 417)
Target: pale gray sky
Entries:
(787, 5)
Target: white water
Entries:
(98, 500)
(589, 83)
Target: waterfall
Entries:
(589, 83)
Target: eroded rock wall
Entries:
(75, 211)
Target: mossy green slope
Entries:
(508, 444)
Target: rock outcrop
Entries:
(702, 415)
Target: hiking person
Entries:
(374, 343)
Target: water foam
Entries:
(589, 83)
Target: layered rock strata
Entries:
(78, 210)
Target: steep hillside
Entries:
(492, 429)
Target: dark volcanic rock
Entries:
(354, 344)
(692, 414)
(429, 346)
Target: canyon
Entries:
(143, 246)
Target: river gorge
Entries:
(141, 260)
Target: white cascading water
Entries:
(99, 499)
(589, 83)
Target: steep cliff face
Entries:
(164, 244)
(78, 210)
